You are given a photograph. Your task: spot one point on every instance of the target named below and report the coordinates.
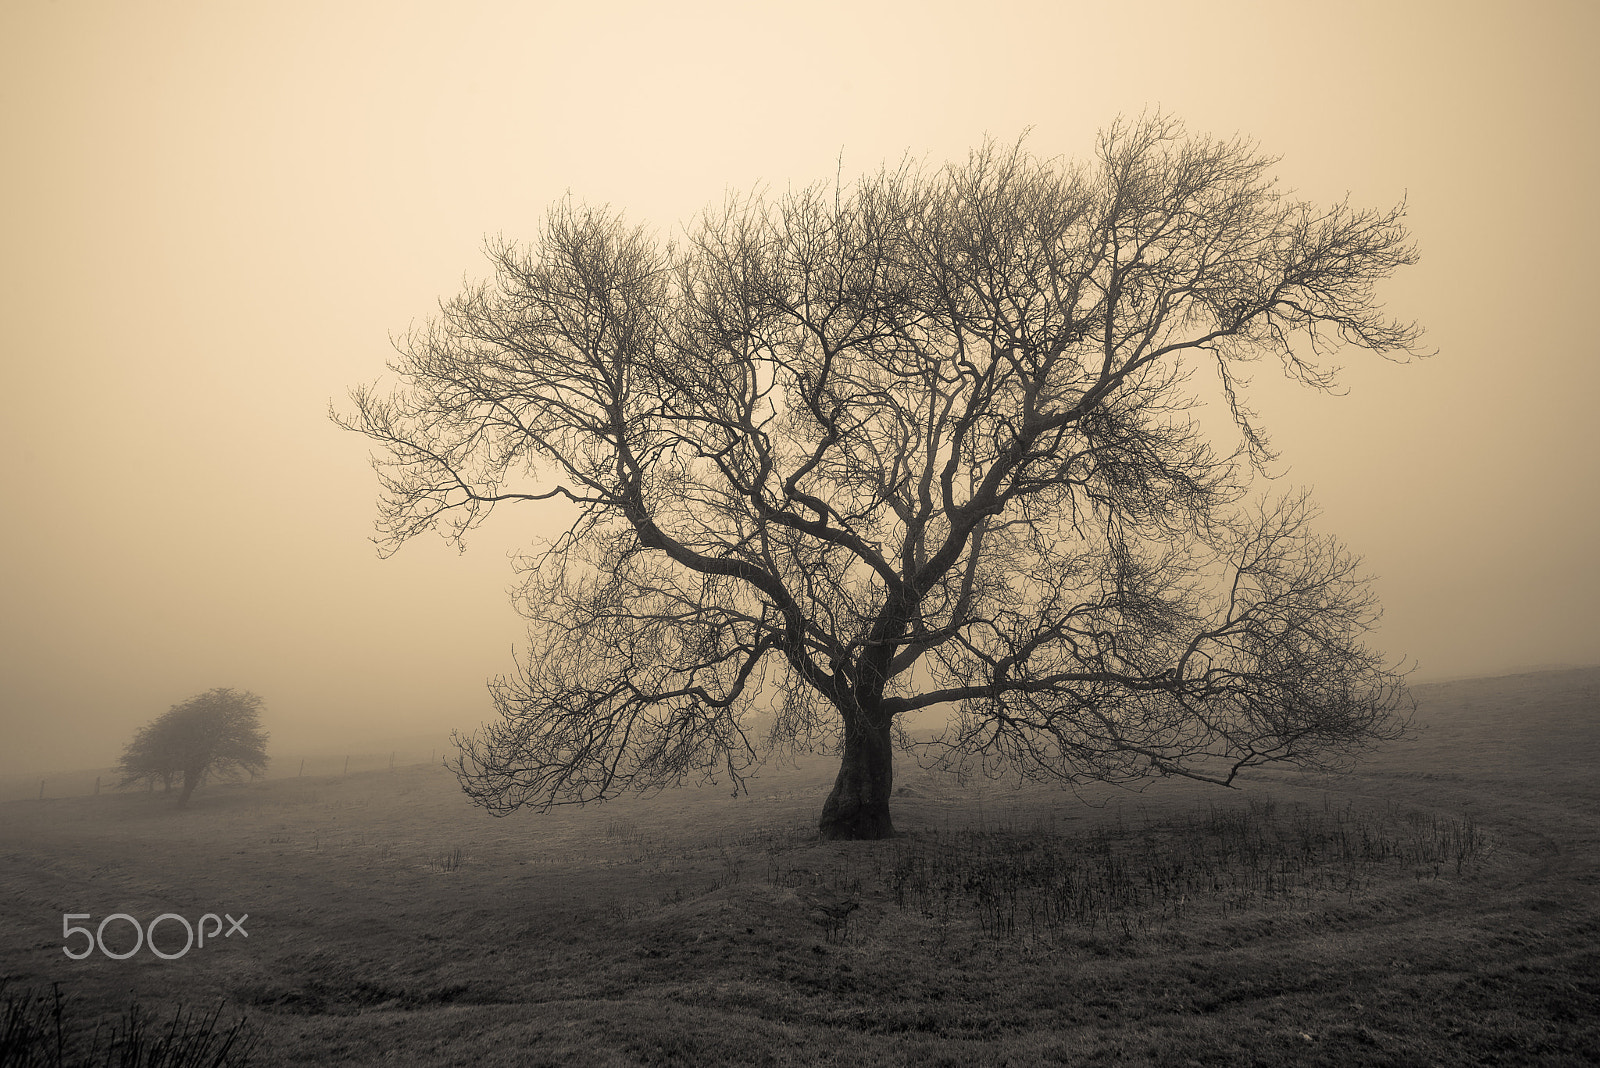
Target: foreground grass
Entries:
(39, 1029)
(1438, 907)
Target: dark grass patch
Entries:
(44, 1029)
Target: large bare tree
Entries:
(922, 443)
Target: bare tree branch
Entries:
(843, 455)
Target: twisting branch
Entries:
(844, 455)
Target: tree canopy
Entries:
(217, 733)
(927, 442)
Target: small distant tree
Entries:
(924, 444)
(217, 733)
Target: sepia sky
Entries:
(215, 215)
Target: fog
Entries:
(216, 218)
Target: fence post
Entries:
(347, 765)
(41, 789)
(97, 786)
(302, 765)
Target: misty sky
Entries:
(216, 214)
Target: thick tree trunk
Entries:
(858, 807)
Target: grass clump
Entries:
(1040, 886)
(37, 1031)
(448, 861)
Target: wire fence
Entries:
(87, 782)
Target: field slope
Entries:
(1438, 905)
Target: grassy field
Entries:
(1439, 905)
